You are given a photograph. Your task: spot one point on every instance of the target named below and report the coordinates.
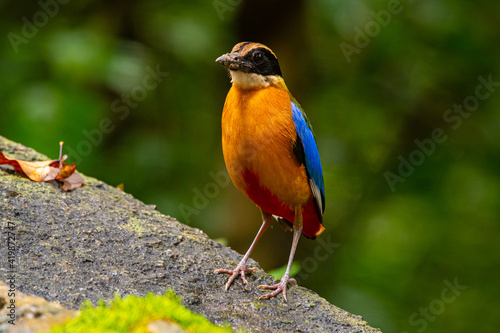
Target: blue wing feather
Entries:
(307, 153)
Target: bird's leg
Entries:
(242, 266)
(285, 280)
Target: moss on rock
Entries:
(133, 314)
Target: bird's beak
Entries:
(231, 61)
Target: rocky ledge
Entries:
(97, 240)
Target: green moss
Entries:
(133, 313)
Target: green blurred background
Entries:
(373, 77)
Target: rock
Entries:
(34, 314)
(162, 326)
(97, 240)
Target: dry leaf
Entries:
(72, 182)
(40, 171)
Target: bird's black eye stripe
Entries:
(264, 53)
(264, 62)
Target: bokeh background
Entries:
(412, 230)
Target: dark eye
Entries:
(258, 58)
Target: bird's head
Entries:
(252, 66)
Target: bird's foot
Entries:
(279, 287)
(241, 269)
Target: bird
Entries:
(270, 153)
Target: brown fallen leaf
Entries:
(42, 171)
(66, 169)
(72, 182)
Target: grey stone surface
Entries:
(97, 240)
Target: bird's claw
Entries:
(279, 287)
(241, 269)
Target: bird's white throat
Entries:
(252, 80)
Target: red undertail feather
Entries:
(268, 202)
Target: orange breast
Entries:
(257, 139)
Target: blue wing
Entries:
(307, 153)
